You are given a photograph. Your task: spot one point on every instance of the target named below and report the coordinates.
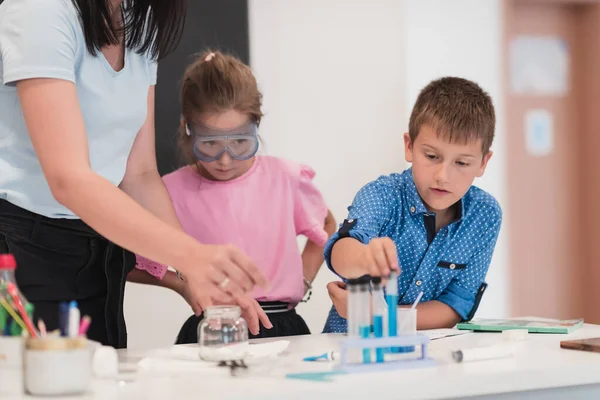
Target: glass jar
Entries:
(223, 334)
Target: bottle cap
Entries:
(7, 261)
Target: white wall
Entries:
(339, 78)
(332, 76)
(464, 38)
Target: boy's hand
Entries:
(379, 257)
(339, 297)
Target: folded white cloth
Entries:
(187, 358)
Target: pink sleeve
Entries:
(153, 268)
(310, 209)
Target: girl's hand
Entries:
(252, 312)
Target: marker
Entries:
(12, 290)
(85, 324)
(74, 319)
(63, 318)
(42, 328)
(3, 318)
(329, 356)
(15, 318)
(483, 353)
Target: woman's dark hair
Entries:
(152, 27)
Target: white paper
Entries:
(539, 65)
(187, 358)
(539, 132)
(434, 334)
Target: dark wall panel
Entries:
(221, 24)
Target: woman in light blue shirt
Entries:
(78, 175)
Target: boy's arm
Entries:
(371, 210)
(464, 292)
(435, 315)
(312, 255)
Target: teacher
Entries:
(78, 175)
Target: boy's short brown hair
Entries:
(456, 109)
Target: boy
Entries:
(429, 223)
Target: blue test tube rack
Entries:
(422, 360)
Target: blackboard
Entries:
(221, 25)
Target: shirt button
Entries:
(418, 283)
(413, 209)
(452, 266)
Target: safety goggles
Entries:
(210, 144)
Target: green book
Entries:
(533, 325)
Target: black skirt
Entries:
(62, 260)
(285, 323)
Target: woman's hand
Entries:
(222, 273)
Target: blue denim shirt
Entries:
(449, 266)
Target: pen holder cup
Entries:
(58, 366)
(11, 365)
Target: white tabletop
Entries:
(539, 363)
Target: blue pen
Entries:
(63, 318)
(391, 297)
(329, 356)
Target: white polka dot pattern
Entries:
(391, 206)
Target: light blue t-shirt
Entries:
(44, 39)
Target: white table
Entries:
(539, 370)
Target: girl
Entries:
(78, 176)
(228, 194)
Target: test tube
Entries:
(379, 312)
(353, 307)
(391, 297)
(364, 316)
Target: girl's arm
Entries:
(57, 131)
(312, 255)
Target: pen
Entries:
(15, 318)
(63, 318)
(85, 324)
(12, 290)
(3, 318)
(483, 353)
(42, 328)
(329, 356)
(74, 319)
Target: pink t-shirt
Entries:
(261, 212)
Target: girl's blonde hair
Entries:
(216, 82)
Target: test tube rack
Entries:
(421, 360)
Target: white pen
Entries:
(483, 353)
(74, 319)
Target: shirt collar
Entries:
(414, 204)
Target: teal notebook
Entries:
(533, 325)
